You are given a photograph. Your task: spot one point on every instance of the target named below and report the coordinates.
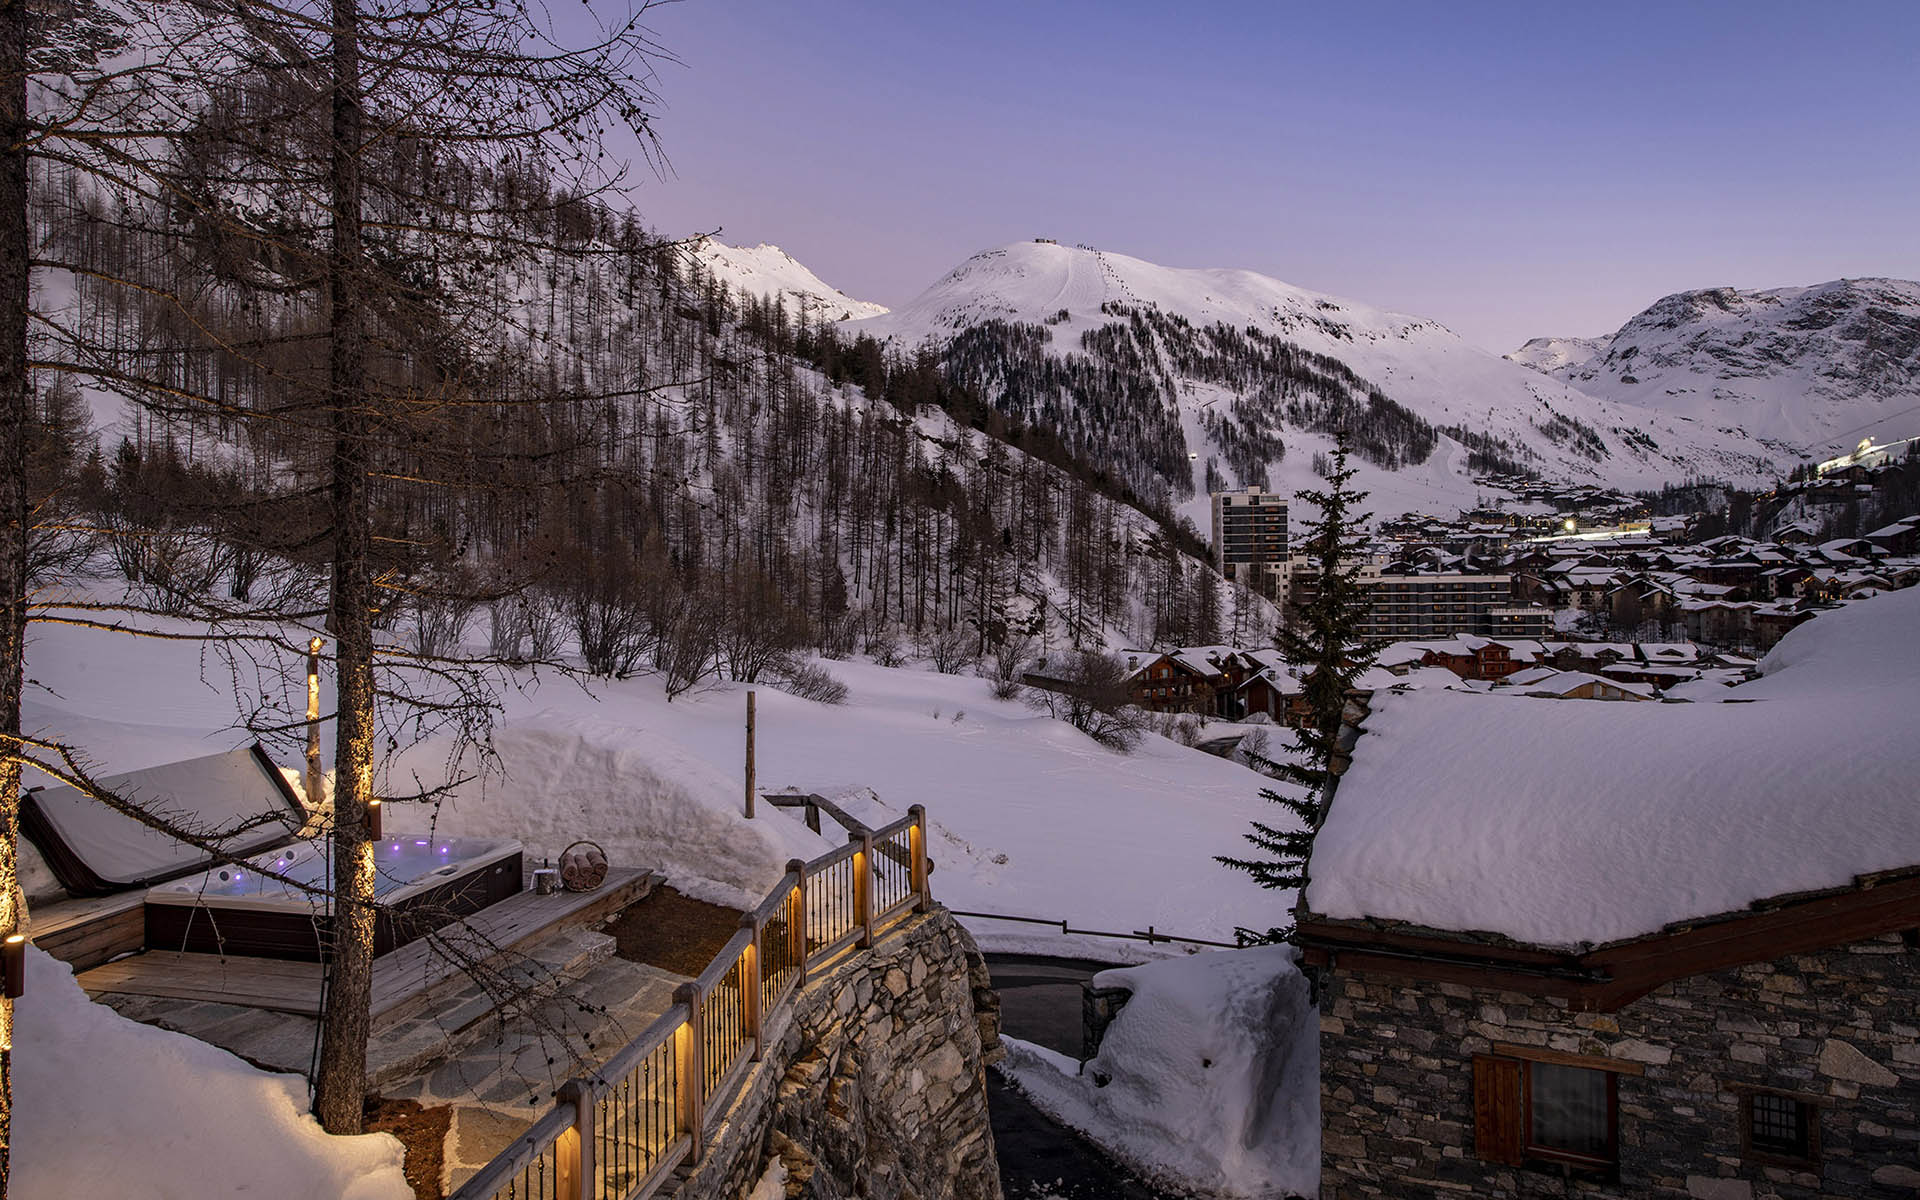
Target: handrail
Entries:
(1149, 934)
(777, 898)
(832, 857)
(723, 962)
(629, 1055)
(501, 1173)
(647, 1103)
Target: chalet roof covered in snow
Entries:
(1569, 825)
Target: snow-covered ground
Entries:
(1030, 817)
(108, 1107)
(1208, 1079)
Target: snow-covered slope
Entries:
(767, 271)
(1815, 368)
(1029, 816)
(104, 1106)
(1242, 404)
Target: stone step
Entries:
(458, 1013)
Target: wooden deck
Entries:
(86, 933)
(400, 979)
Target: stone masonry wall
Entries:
(1397, 1079)
(874, 1087)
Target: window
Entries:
(1544, 1107)
(1569, 1112)
(1779, 1127)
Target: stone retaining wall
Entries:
(1843, 1025)
(873, 1086)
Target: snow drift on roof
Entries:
(1570, 824)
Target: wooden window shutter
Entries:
(1499, 1126)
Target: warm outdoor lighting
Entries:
(373, 820)
(1569, 526)
(13, 964)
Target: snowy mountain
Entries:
(767, 271)
(1813, 368)
(1549, 354)
(1190, 380)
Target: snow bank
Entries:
(1211, 1075)
(1566, 825)
(644, 798)
(104, 1106)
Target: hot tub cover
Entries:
(94, 850)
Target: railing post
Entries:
(797, 921)
(691, 1097)
(917, 843)
(863, 887)
(750, 987)
(573, 1153)
(566, 1165)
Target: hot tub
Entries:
(422, 882)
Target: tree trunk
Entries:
(14, 511)
(340, 1089)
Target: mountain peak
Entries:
(768, 271)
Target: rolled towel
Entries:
(583, 868)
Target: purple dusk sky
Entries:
(1510, 169)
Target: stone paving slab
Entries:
(501, 1083)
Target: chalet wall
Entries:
(1397, 1086)
(874, 1088)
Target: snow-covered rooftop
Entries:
(1572, 824)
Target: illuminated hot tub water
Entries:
(422, 882)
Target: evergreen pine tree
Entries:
(1321, 637)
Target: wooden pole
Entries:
(750, 987)
(798, 869)
(749, 756)
(863, 887)
(316, 779)
(917, 843)
(691, 1099)
(573, 1153)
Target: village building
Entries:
(1250, 539)
(1678, 960)
(1547, 683)
(1194, 679)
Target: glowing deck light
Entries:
(13, 964)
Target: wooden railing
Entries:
(619, 1132)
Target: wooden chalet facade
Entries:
(1276, 693)
(1769, 1052)
(1204, 681)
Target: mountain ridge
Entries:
(1237, 367)
(1811, 366)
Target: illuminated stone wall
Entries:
(1842, 1025)
(874, 1087)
